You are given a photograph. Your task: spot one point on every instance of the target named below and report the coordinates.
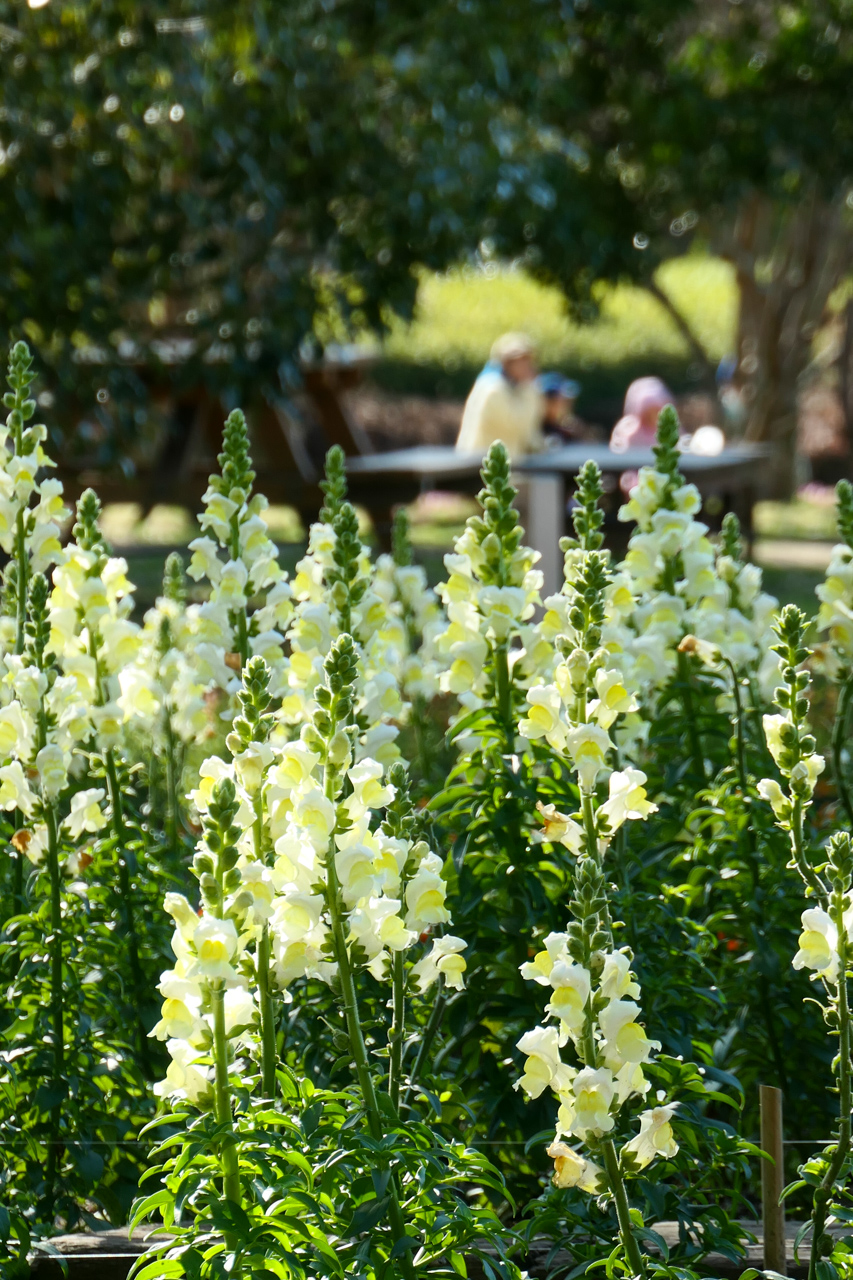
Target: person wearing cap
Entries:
(505, 402)
(637, 428)
(558, 396)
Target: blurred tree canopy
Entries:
(183, 188)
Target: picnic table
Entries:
(381, 481)
(736, 476)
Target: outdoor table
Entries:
(413, 471)
(736, 476)
(381, 481)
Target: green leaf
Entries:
(369, 1214)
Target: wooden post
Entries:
(772, 1179)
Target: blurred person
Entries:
(637, 427)
(559, 425)
(505, 402)
(730, 396)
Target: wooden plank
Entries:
(109, 1255)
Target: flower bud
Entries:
(577, 665)
(339, 748)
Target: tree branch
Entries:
(683, 327)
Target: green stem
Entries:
(22, 563)
(18, 884)
(125, 880)
(502, 689)
(172, 804)
(268, 1027)
(57, 1011)
(419, 722)
(242, 637)
(591, 833)
(839, 737)
(268, 1023)
(358, 1047)
(620, 1197)
(797, 844)
(690, 716)
(430, 1032)
(823, 1194)
(398, 1028)
(739, 734)
(222, 1101)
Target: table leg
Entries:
(546, 517)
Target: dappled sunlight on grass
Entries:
(461, 313)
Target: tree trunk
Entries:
(788, 260)
(845, 368)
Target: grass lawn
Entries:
(459, 315)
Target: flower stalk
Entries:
(824, 943)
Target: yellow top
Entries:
(498, 409)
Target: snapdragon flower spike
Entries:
(835, 616)
(29, 534)
(593, 992)
(92, 633)
(239, 560)
(341, 880)
(490, 594)
(207, 992)
(164, 692)
(835, 656)
(587, 515)
(414, 618)
(683, 588)
(790, 742)
(336, 591)
(824, 945)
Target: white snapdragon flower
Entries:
(616, 980)
(216, 945)
(368, 790)
(180, 1020)
(539, 968)
(186, 1076)
(572, 1169)
(571, 988)
(655, 1137)
(17, 731)
(770, 790)
(817, 944)
(15, 790)
(544, 718)
(376, 924)
(627, 799)
(614, 699)
(52, 764)
(86, 813)
(444, 958)
(315, 815)
(585, 1106)
(557, 828)
(543, 1067)
(624, 1038)
(588, 745)
(425, 895)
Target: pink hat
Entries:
(647, 393)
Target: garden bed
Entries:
(109, 1255)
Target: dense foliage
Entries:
(208, 206)
(424, 997)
